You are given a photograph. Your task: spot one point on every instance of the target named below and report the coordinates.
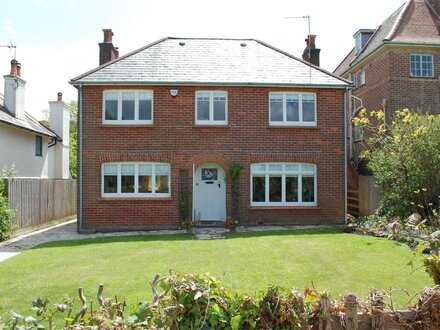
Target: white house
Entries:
(35, 150)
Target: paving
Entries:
(67, 231)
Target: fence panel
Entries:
(38, 201)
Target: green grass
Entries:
(247, 262)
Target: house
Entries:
(159, 128)
(393, 67)
(34, 150)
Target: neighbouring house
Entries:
(160, 127)
(35, 151)
(392, 67)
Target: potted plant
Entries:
(232, 224)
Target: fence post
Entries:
(350, 305)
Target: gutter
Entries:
(80, 157)
(192, 83)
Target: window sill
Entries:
(126, 125)
(293, 126)
(135, 199)
(268, 208)
(212, 126)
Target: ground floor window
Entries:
(283, 184)
(136, 180)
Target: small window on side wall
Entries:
(422, 65)
(38, 145)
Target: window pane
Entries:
(276, 108)
(127, 106)
(292, 107)
(292, 189)
(308, 107)
(258, 188)
(111, 106)
(308, 188)
(145, 106)
(145, 184)
(127, 183)
(220, 108)
(162, 184)
(274, 189)
(110, 184)
(203, 107)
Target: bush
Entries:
(6, 214)
(404, 157)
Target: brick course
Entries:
(247, 139)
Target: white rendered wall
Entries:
(17, 147)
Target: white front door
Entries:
(209, 193)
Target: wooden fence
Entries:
(39, 201)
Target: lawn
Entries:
(324, 258)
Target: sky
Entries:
(57, 40)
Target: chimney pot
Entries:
(108, 34)
(60, 97)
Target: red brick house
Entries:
(395, 66)
(159, 127)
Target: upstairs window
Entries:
(211, 108)
(128, 107)
(422, 65)
(292, 109)
(283, 184)
(136, 180)
(38, 145)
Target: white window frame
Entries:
(362, 78)
(284, 173)
(136, 181)
(211, 120)
(421, 63)
(136, 120)
(300, 122)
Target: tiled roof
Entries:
(29, 123)
(414, 22)
(209, 62)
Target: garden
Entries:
(265, 280)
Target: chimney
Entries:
(59, 122)
(107, 52)
(14, 91)
(311, 53)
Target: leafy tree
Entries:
(73, 138)
(404, 156)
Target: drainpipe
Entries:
(80, 116)
(345, 154)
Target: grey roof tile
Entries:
(209, 61)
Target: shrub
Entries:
(6, 214)
(404, 156)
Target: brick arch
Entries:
(209, 157)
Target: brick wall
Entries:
(247, 139)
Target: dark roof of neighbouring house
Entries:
(28, 124)
(201, 61)
(415, 22)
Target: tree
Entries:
(73, 138)
(404, 156)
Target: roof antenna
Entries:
(11, 46)
(308, 43)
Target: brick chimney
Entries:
(59, 122)
(14, 91)
(311, 53)
(107, 51)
